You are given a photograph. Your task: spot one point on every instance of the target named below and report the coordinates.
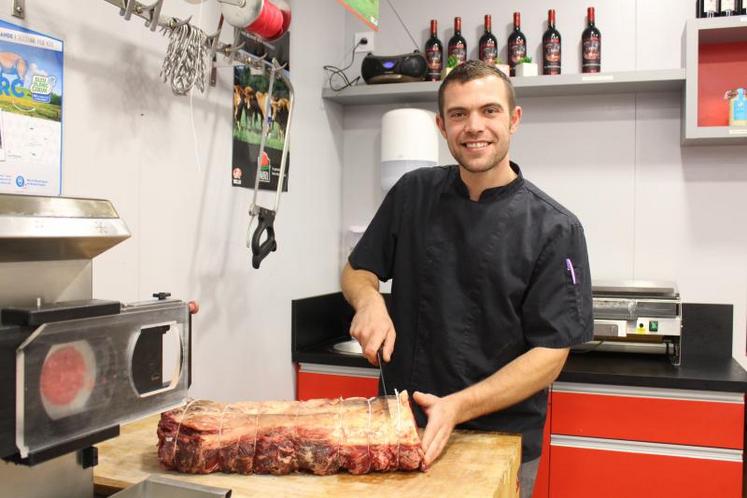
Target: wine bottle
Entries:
(457, 43)
(709, 8)
(728, 8)
(551, 46)
(517, 44)
(434, 54)
(488, 51)
(591, 45)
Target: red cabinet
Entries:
(326, 381)
(621, 441)
(662, 416)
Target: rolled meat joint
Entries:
(321, 436)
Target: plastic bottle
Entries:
(737, 107)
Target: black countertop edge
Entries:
(601, 368)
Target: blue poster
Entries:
(30, 112)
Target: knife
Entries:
(383, 383)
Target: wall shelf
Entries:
(715, 60)
(663, 80)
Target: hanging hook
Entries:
(130, 7)
(212, 40)
(277, 66)
(154, 13)
(178, 23)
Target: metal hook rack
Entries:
(265, 216)
(234, 52)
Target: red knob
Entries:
(194, 307)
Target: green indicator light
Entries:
(653, 326)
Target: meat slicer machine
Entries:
(72, 368)
(637, 317)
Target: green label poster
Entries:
(30, 112)
(366, 10)
(250, 102)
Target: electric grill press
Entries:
(73, 369)
(637, 317)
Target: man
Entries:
(490, 278)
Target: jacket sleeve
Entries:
(557, 307)
(376, 250)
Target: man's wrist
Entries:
(367, 297)
(460, 405)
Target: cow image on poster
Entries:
(280, 112)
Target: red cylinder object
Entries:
(271, 23)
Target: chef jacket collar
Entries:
(492, 193)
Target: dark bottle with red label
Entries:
(517, 44)
(728, 8)
(708, 8)
(488, 44)
(457, 43)
(434, 54)
(551, 47)
(591, 45)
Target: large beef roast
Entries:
(322, 436)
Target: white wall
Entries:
(164, 161)
(651, 208)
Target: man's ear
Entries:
(515, 119)
(441, 125)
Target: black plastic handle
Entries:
(266, 218)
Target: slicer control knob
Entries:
(194, 307)
(162, 295)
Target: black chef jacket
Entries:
(475, 285)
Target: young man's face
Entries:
(477, 123)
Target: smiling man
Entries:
(491, 282)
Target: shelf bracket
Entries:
(19, 9)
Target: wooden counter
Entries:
(475, 464)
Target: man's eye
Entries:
(492, 110)
(457, 115)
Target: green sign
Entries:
(366, 10)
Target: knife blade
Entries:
(383, 383)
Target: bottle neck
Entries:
(457, 26)
(517, 21)
(434, 29)
(488, 24)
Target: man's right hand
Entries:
(373, 329)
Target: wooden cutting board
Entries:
(478, 464)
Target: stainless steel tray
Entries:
(348, 347)
(163, 487)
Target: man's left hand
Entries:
(442, 417)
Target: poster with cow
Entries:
(31, 67)
(250, 102)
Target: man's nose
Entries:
(474, 122)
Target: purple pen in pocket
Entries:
(569, 266)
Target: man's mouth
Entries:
(476, 145)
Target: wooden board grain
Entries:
(474, 464)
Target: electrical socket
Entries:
(368, 47)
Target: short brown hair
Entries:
(474, 70)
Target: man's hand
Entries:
(373, 328)
(442, 417)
